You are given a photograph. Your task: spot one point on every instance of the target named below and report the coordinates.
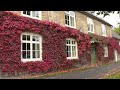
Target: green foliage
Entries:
(117, 30)
(113, 76)
(105, 13)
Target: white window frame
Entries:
(31, 42)
(90, 22)
(69, 13)
(30, 16)
(105, 51)
(104, 32)
(71, 48)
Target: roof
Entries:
(115, 35)
(95, 17)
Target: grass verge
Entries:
(113, 76)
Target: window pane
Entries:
(38, 54)
(36, 38)
(37, 14)
(28, 37)
(33, 13)
(23, 46)
(33, 38)
(72, 21)
(24, 12)
(73, 48)
(68, 51)
(28, 54)
(73, 51)
(91, 27)
(33, 47)
(34, 54)
(68, 54)
(66, 22)
(28, 46)
(28, 13)
(66, 19)
(69, 48)
(69, 42)
(73, 55)
(38, 47)
(24, 37)
(24, 54)
(72, 13)
(73, 42)
(105, 51)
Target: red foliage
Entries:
(110, 42)
(53, 44)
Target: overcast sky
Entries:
(113, 19)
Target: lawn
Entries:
(113, 76)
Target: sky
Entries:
(113, 19)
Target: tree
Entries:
(105, 13)
(117, 30)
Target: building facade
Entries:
(83, 21)
(53, 37)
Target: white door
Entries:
(116, 54)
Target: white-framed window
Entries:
(32, 14)
(71, 48)
(103, 30)
(31, 47)
(105, 51)
(70, 19)
(90, 25)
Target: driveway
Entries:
(94, 73)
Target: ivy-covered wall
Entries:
(53, 44)
(100, 42)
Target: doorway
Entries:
(93, 55)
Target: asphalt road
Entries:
(94, 73)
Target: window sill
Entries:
(90, 32)
(32, 60)
(31, 17)
(69, 58)
(104, 35)
(70, 26)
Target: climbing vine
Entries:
(100, 42)
(53, 44)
